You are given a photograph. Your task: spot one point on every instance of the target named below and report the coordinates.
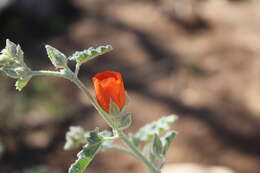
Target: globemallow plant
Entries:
(149, 144)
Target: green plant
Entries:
(147, 144)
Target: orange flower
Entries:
(109, 85)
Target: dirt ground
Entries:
(198, 59)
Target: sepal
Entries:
(113, 108)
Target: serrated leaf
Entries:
(86, 155)
(167, 140)
(147, 132)
(57, 58)
(89, 54)
(21, 83)
(124, 120)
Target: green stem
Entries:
(124, 150)
(138, 154)
(47, 73)
(68, 74)
(121, 134)
(77, 69)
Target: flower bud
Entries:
(109, 86)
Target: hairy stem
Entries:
(123, 150)
(68, 74)
(138, 154)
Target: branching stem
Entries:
(68, 74)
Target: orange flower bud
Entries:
(109, 85)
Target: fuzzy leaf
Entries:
(167, 140)
(89, 54)
(86, 155)
(124, 120)
(57, 58)
(10, 48)
(19, 53)
(157, 147)
(148, 131)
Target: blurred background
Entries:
(198, 59)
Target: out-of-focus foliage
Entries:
(1, 147)
(39, 169)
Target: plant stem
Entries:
(47, 73)
(121, 134)
(138, 154)
(68, 74)
(124, 150)
(77, 69)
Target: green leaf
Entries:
(21, 83)
(147, 132)
(19, 53)
(10, 48)
(89, 54)
(157, 147)
(57, 58)
(124, 120)
(86, 155)
(153, 151)
(167, 140)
